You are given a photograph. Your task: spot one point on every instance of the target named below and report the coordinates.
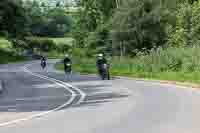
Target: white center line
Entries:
(59, 83)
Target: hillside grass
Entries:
(173, 64)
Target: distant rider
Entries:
(67, 64)
(43, 62)
(101, 60)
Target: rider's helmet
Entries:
(100, 56)
(66, 55)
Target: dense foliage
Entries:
(140, 25)
(44, 21)
(126, 27)
(21, 19)
(13, 18)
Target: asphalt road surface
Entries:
(47, 101)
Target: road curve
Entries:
(117, 106)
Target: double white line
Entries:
(67, 86)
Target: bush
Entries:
(47, 45)
(4, 34)
(63, 48)
(19, 45)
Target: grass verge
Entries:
(172, 64)
(125, 70)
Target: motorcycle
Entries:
(104, 72)
(43, 64)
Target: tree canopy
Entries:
(13, 18)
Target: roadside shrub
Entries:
(19, 45)
(42, 45)
(4, 34)
(47, 45)
(63, 48)
(78, 52)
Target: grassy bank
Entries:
(174, 64)
(124, 70)
(6, 54)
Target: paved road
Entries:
(53, 104)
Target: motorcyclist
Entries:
(101, 60)
(43, 62)
(67, 64)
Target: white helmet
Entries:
(66, 55)
(100, 55)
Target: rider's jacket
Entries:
(66, 61)
(43, 60)
(66, 66)
(100, 62)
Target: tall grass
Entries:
(170, 59)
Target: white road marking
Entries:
(41, 86)
(58, 82)
(109, 92)
(101, 101)
(83, 95)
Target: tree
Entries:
(59, 23)
(182, 35)
(141, 25)
(187, 25)
(13, 18)
(107, 8)
(92, 16)
(47, 21)
(38, 20)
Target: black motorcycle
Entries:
(43, 64)
(104, 72)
